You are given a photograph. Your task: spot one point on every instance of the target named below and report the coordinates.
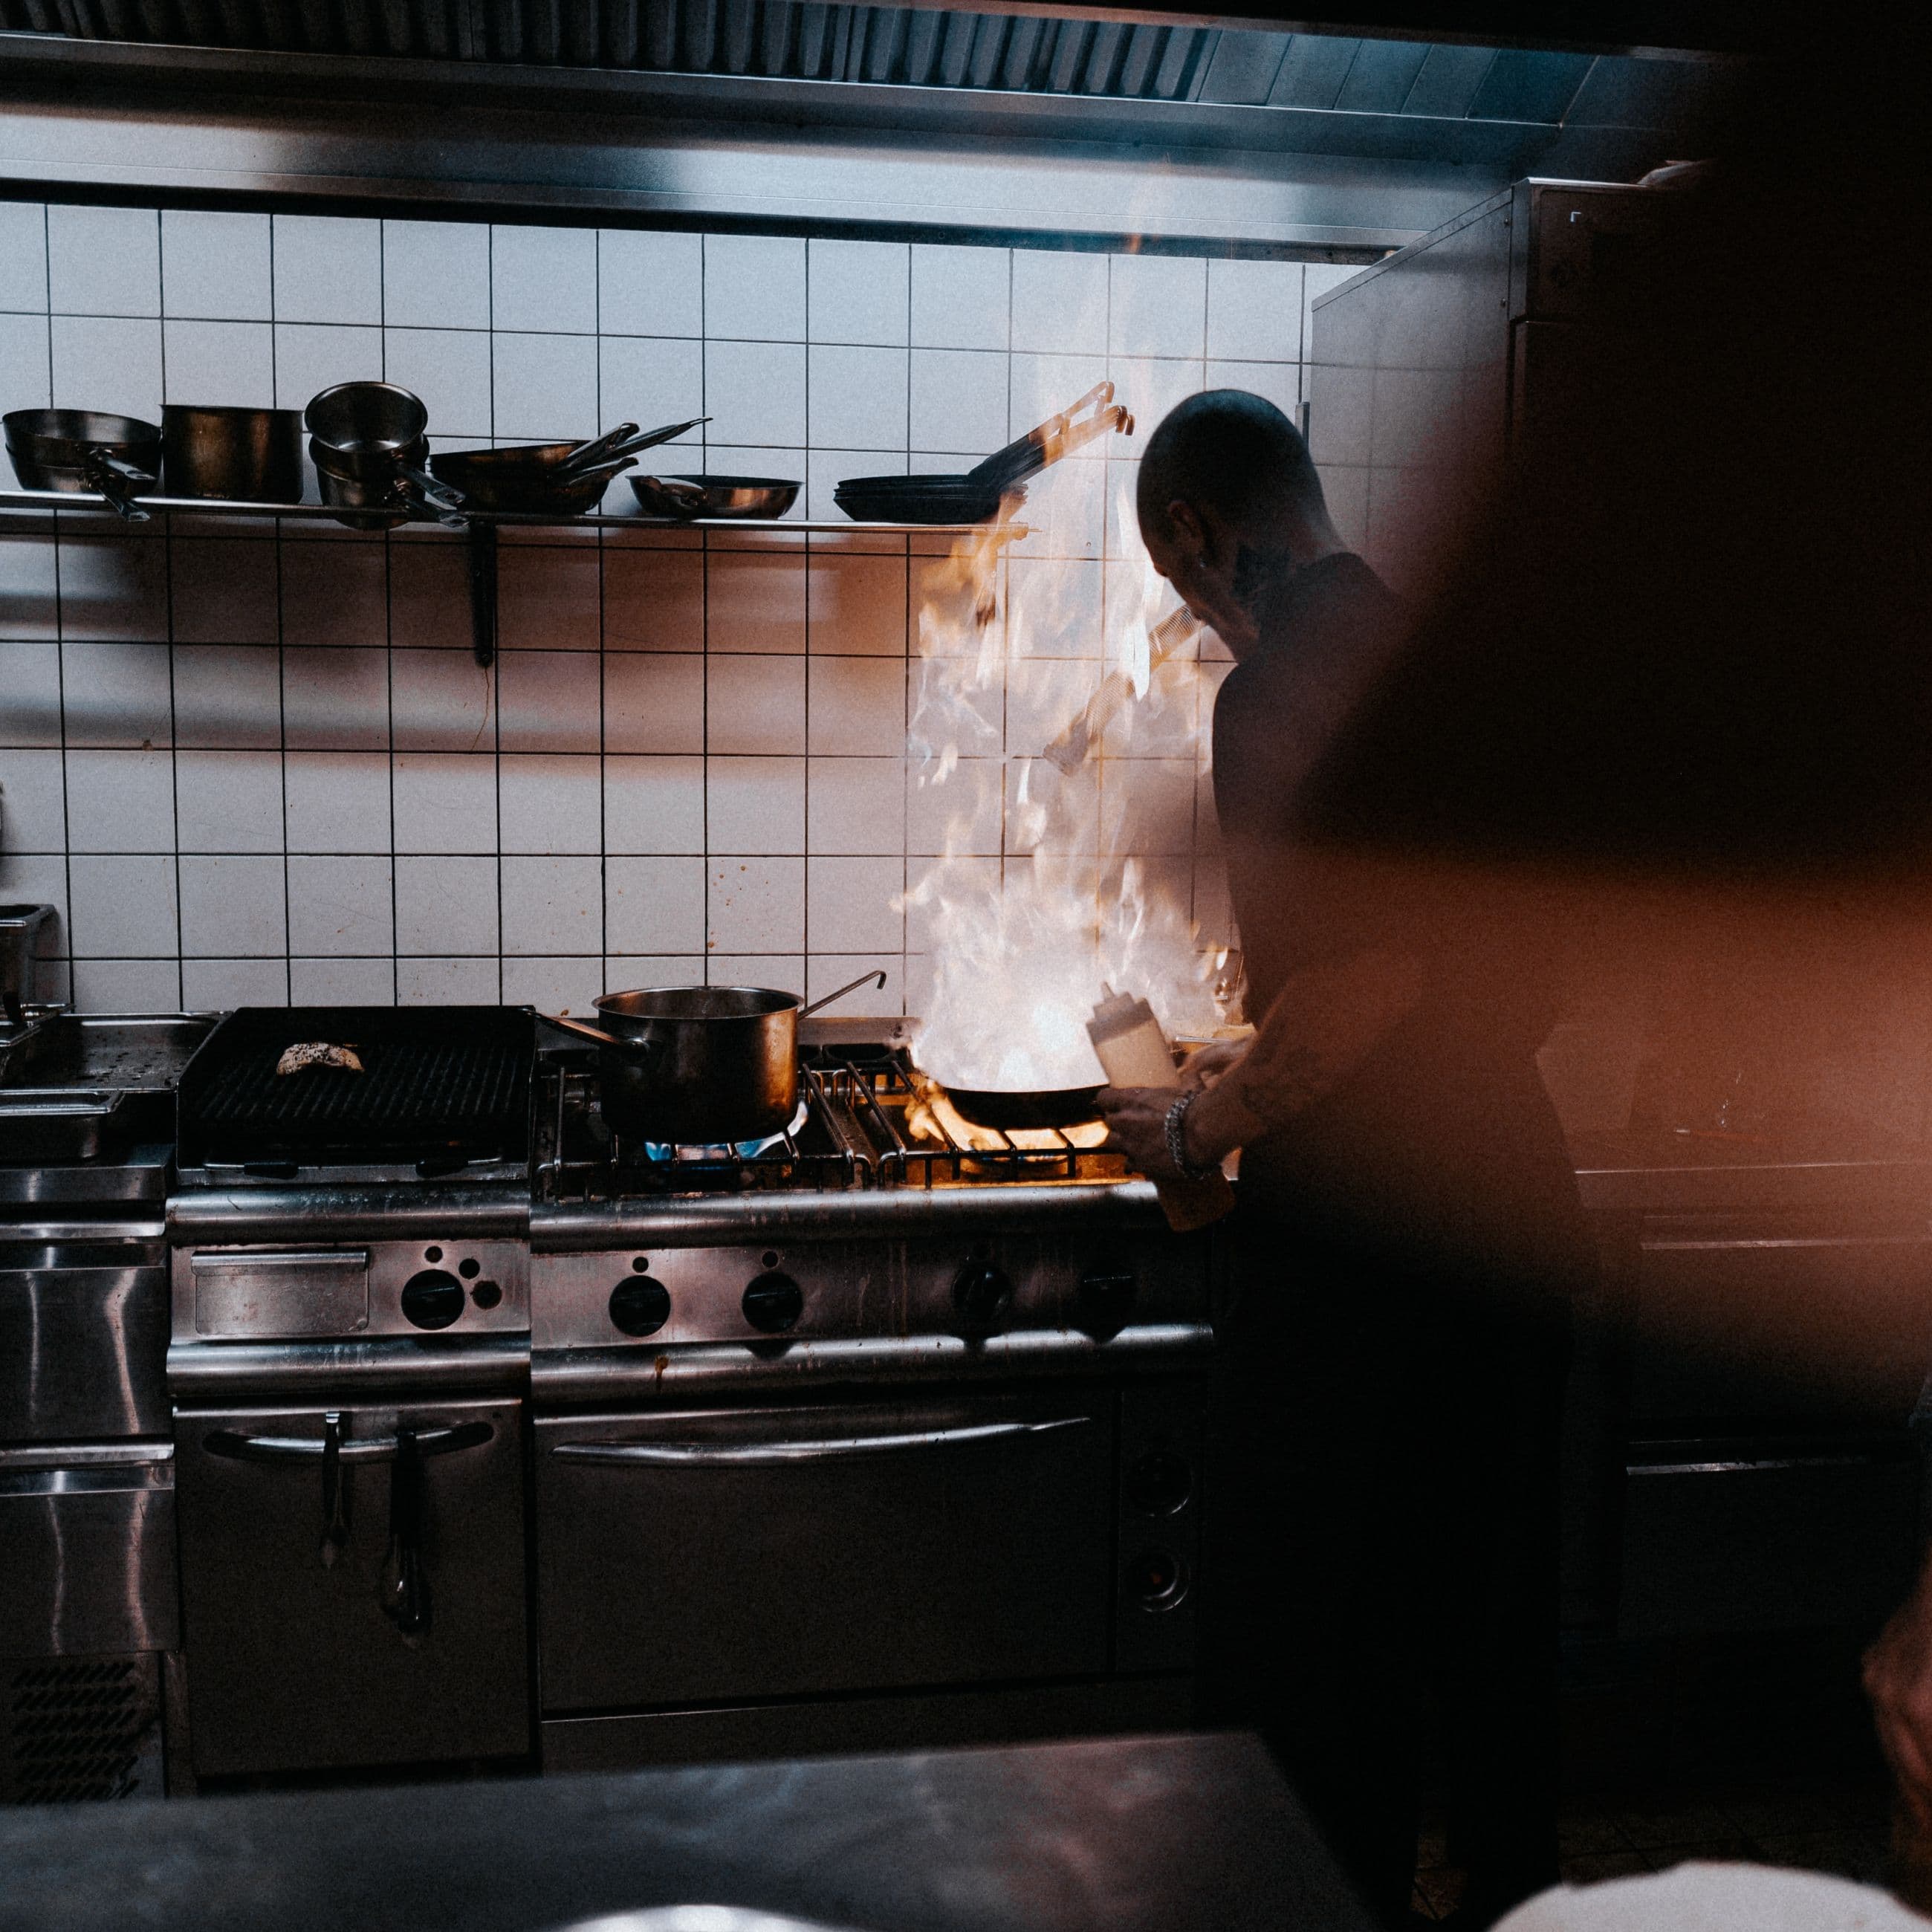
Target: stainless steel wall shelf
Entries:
(207, 506)
(480, 527)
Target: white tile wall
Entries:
(248, 766)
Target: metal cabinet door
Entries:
(83, 1333)
(1778, 1320)
(294, 1664)
(685, 1558)
(1772, 1542)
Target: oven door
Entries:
(353, 1584)
(691, 1558)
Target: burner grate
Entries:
(857, 1132)
(880, 1090)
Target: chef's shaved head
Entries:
(1228, 451)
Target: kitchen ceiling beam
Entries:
(1279, 163)
(534, 166)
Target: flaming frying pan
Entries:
(1008, 1108)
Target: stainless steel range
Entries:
(862, 1437)
(347, 1363)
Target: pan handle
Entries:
(643, 1050)
(877, 979)
(588, 455)
(629, 445)
(1049, 441)
(118, 482)
(583, 1030)
(445, 502)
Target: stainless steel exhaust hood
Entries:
(827, 117)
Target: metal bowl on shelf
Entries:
(686, 498)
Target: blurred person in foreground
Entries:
(1668, 704)
(1384, 1493)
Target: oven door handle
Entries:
(835, 1449)
(240, 1448)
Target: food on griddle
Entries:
(299, 1058)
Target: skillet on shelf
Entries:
(974, 496)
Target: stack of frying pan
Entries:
(975, 495)
(556, 479)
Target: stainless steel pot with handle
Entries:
(244, 455)
(700, 1066)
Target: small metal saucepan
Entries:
(244, 455)
(368, 445)
(78, 450)
(700, 1066)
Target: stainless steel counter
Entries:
(1663, 1174)
(1125, 1834)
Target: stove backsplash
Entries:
(249, 769)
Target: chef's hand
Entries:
(1206, 1064)
(1136, 1118)
(1898, 1680)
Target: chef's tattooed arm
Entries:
(1325, 1021)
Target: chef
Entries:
(1383, 1511)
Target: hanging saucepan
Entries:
(368, 445)
(558, 479)
(242, 455)
(700, 1066)
(74, 451)
(974, 496)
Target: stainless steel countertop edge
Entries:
(898, 1213)
(592, 1374)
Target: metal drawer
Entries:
(703, 1556)
(83, 1335)
(88, 1536)
(1767, 1542)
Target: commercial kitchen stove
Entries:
(347, 1363)
(863, 1436)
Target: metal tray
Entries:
(142, 1053)
(57, 1123)
(70, 1082)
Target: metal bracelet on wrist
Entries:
(1177, 1139)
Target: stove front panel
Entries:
(304, 1290)
(770, 1291)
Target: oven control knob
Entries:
(640, 1305)
(432, 1299)
(981, 1294)
(773, 1302)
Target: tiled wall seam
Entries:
(1229, 322)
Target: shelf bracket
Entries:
(482, 541)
